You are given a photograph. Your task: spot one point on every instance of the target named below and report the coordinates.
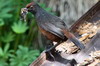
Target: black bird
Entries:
(51, 26)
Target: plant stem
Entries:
(30, 34)
(18, 9)
(0, 36)
(17, 41)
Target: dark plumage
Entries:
(52, 26)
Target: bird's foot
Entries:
(49, 54)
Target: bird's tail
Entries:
(76, 41)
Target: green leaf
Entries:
(3, 62)
(23, 60)
(44, 7)
(1, 22)
(5, 8)
(19, 27)
(48, 9)
(6, 48)
(8, 37)
(5, 53)
(1, 52)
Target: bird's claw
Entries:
(50, 54)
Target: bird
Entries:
(51, 26)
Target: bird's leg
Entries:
(53, 45)
(50, 47)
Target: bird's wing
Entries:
(53, 29)
(54, 25)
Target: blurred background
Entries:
(21, 42)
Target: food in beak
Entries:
(24, 12)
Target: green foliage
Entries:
(3, 63)
(19, 27)
(23, 56)
(7, 37)
(1, 22)
(44, 6)
(16, 34)
(5, 8)
(4, 55)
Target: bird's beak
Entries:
(24, 12)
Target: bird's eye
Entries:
(31, 6)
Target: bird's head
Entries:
(31, 7)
